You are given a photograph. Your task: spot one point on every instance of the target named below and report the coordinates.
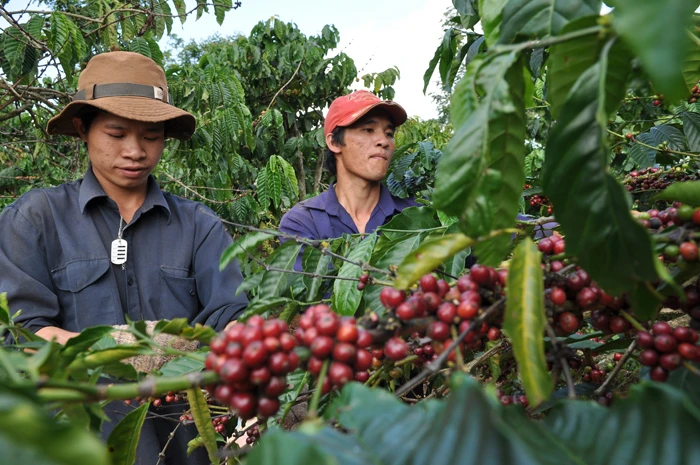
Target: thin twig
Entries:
(285, 84)
(562, 361)
(603, 388)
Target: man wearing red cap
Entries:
(359, 131)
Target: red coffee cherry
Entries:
(428, 283)
(391, 297)
(569, 322)
(557, 296)
(396, 349)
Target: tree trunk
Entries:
(318, 172)
(301, 175)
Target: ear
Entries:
(78, 123)
(332, 146)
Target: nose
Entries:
(384, 140)
(133, 147)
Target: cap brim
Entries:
(396, 113)
(180, 124)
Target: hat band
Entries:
(122, 89)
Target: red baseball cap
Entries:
(349, 108)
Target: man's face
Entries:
(369, 146)
(123, 152)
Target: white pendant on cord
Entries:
(119, 246)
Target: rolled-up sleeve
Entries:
(24, 272)
(216, 289)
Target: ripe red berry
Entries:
(665, 343)
(619, 325)
(557, 296)
(656, 102)
(617, 356)
(683, 334)
(648, 357)
(347, 332)
(287, 342)
(322, 347)
(629, 136)
(556, 266)
(272, 344)
(493, 334)
(251, 334)
(432, 301)
(276, 386)
(391, 297)
(696, 216)
(569, 322)
(658, 374)
(559, 247)
(574, 282)
(406, 311)
(361, 376)
(268, 407)
(438, 330)
(218, 345)
(340, 373)
(481, 275)
(260, 376)
(689, 351)
(396, 349)
(546, 246)
(255, 354)
(465, 283)
(447, 312)
(661, 327)
(645, 340)
(443, 287)
(670, 361)
(244, 404)
(233, 370)
(344, 352)
(363, 360)
(586, 297)
(689, 251)
(279, 363)
(467, 309)
(428, 283)
(328, 324)
(364, 338)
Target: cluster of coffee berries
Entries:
(665, 348)
(570, 295)
(252, 435)
(364, 280)
(338, 340)
(655, 179)
(253, 360)
(454, 307)
(515, 399)
(695, 94)
(539, 202)
(219, 423)
(594, 374)
(169, 398)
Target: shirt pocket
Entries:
(85, 294)
(178, 294)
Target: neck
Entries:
(128, 201)
(358, 197)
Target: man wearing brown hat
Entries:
(112, 245)
(359, 130)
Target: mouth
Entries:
(382, 157)
(131, 171)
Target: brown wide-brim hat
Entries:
(129, 85)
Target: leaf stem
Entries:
(633, 321)
(638, 142)
(544, 43)
(313, 405)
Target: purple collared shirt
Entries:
(323, 217)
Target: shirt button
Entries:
(130, 282)
(192, 292)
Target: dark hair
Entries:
(87, 115)
(338, 137)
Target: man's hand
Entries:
(229, 324)
(53, 332)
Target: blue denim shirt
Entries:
(55, 260)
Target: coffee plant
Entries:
(573, 343)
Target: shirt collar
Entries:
(91, 189)
(328, 201)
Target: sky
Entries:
(376, 34)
